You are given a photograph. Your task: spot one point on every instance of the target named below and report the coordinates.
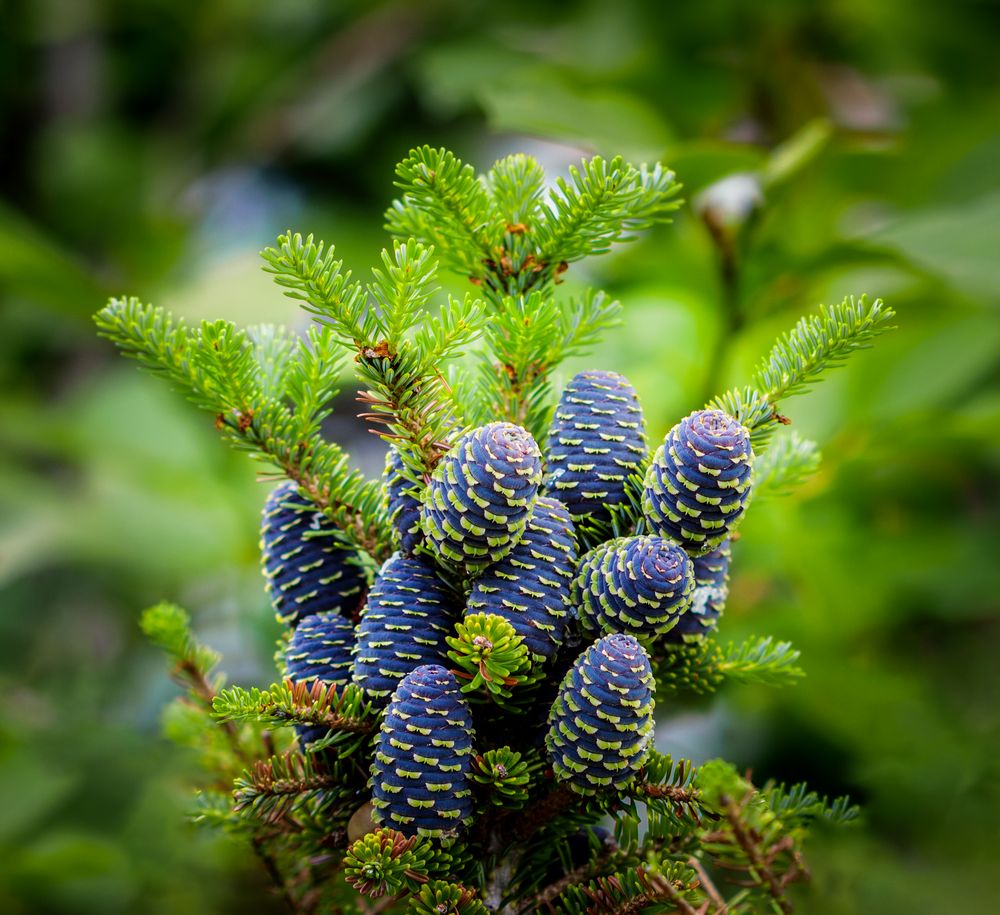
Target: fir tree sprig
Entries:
(787, 463)
(526, 340)
(667, 787)
(602, 203)
(343, 709)
(505, 233)
(169, 627)
(272, 789)
(706, 665)
(398, 351)
(815, 344)
(638, 890)
(799, 805)
(214, 366)
(750, 837)
(445, 204)
(819, 342)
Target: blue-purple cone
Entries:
(596, 441)
(305, 568)
(698, 484)
(320, 649)
(711, 588)
(601, 724)
(638, 585)
(404, 624)
(530, 587)
(403, 505)
(480, 495)
(420, 773)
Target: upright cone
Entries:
(306, 569)
(698, 484)
(404, 625)
(478, 501)
(601, 724)
(596, 440)
(638, 585)
(420, 774)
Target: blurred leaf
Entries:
(34, 267)
(603, 120)
(957, 243)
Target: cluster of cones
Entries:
(491, 531)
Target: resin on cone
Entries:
(601, 724)
(423, 753)
(711, 588)
(638, 585)
(698, 484)
(306, 569)
(596, 441)
(480, 495)
(404, 624)
(530, 587)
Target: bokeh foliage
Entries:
(153, 147)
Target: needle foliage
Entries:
(511, 734)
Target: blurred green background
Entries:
(152, 147)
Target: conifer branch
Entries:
(815, 344)
(705, 666)
(787, 463)
(577, 876)
(819, 342)
(527, 338)
(516, 184)
(214, 367)
(752, 837)
(445, 204)
(630, 892)
(398, 350)
(319, 704)
(271, 789)
(600, 204)
(169, 627)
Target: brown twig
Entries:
(578, 875)
(188, 672)
(708, 885)
(759, 863)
